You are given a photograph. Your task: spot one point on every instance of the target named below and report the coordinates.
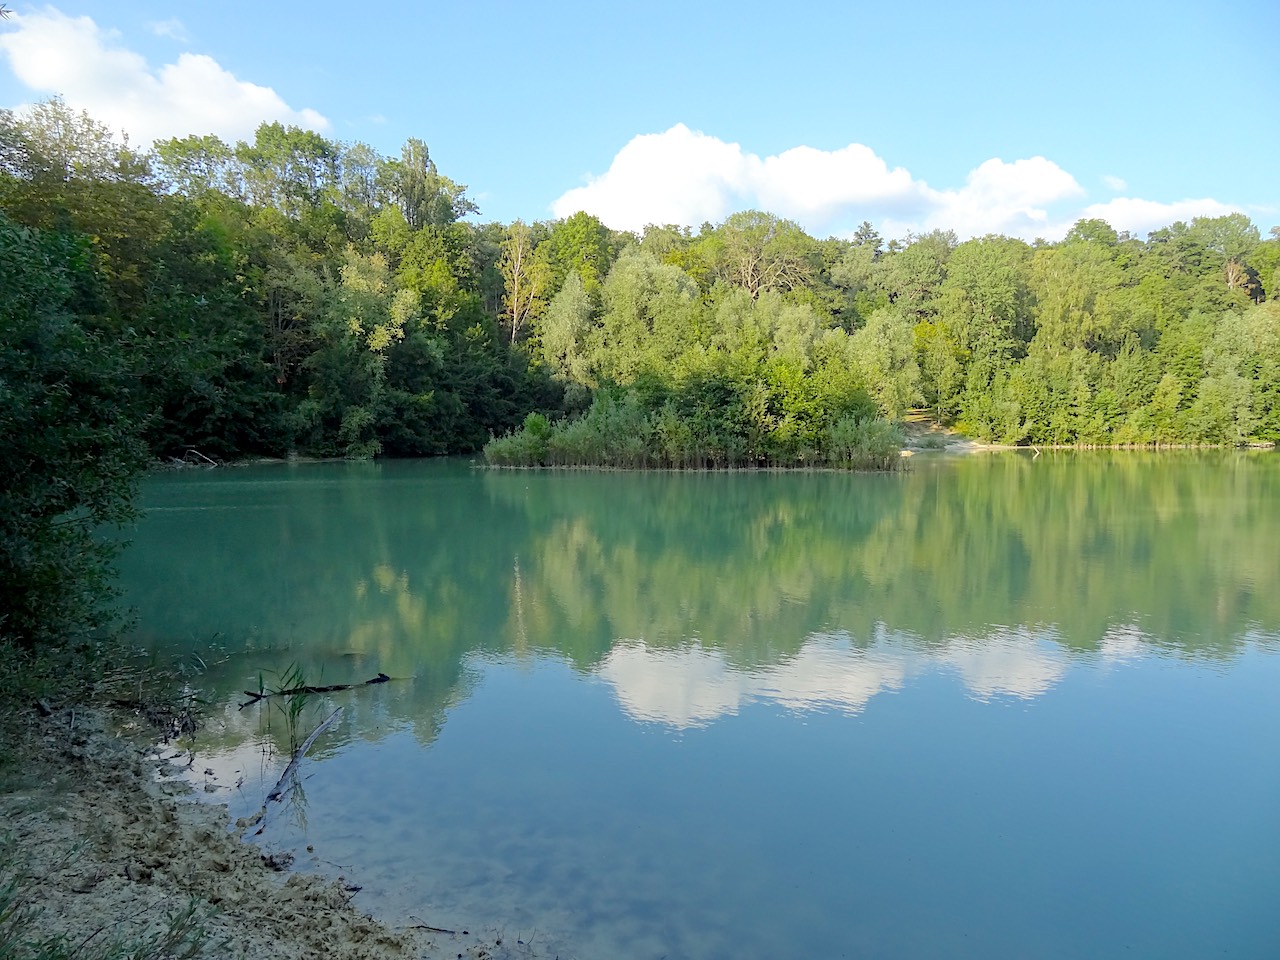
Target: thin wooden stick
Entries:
(277, 792)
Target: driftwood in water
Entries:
(278, 791)
(421, 925)
(294, 691)
(193, 458)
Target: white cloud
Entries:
(998, 197)
(686, 177)
(674, 177)
(808, 183)
(1140, 217)
(172, 28)
(72, 56)
(1114, 183)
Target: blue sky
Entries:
(1009, 117)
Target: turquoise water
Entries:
(993, 707)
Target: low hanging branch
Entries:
(278, 791)
(294, 691)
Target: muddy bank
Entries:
(115, 846)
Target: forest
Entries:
(300, 295)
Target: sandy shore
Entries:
(115, 845)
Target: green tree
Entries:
(526, 276)
(884, 354)
(287, 167)
(985, 301)
(1264, 261)
(425, 197)
(760, 252)
(72, 451)
(1078, 304)
(1092, 231)
(1231, 241)
(195, 165)
(648, 318)
(566, 330)
(914, 276)
(583, 245)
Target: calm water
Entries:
(994, 707)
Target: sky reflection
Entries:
(693, 686)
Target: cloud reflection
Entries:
(1013, 661)
(693, 685)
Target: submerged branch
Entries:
(278, 791)
(295, 691)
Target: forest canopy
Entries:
(300, 294)
(296, 294)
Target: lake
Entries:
(993, 706)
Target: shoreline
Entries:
(113, 845)
(936, 440)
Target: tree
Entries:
(1092, 231)
(867, 236)
(884, 354)
(759, 251)
(1075, 286)
(648, 317)
(364, 317)
(566, 327)
(196, 165)
(72, 452)
(53, 143)
(526, 276)
(583, 245)
(915, 275)
(287, 167)
(358, 178)
(985, 302)
(1231, 241)
(667, 242)
(424, 196)
(942, 365)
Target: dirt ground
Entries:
(114, 847)
(923, 433)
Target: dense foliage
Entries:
(297, 294)
(294, 293)
(71, 450)
(289, 294)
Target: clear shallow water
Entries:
(996, 707)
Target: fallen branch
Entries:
(431, 929)
(278, 791)
(193, 458)
(294, 691)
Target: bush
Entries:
(864, 443)
(72, 452)
(526, 447)
(701, 425)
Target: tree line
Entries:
(296, 293)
